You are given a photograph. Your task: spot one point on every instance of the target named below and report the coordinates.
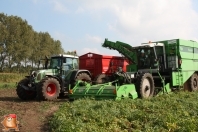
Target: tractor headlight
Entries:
(132, 76)
(33, 74)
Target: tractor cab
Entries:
(150, 57)
(64, 62)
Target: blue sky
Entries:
(82, 25)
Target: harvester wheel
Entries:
(194, 82)
(145, 85)
(25, 94)
(101, 78)
(84, 77)
(49, 89)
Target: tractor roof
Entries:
(65, 55)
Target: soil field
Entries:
(33, 115)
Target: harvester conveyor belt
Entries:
(122, 48)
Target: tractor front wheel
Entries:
(145, 85)
(25, 94)
(49, 89)
(194, 82)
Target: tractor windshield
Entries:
(146, 58)
(70, 63)
(55, 62)
(67, 63)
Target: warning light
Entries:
(70, 91)
(114, 91)
(180, 61)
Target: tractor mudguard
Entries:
(56, 77)
(73, 74)
(28, 77)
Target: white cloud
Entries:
(59, 7)
(93, 39)
(80, 10)
(135, 21)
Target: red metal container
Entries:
(98, 64)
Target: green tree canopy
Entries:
(21, 45)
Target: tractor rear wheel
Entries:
(49, 89)
(145, 85)
(101, 78)
(25, 94)
(194, 82)
(84, 77)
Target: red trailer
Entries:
(101, 66)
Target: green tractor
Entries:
(53, 81)
(156, 68)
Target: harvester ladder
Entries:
(180, 79)
(180, 75)
(163, 83)
(122, 48)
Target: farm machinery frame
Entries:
(156, 68)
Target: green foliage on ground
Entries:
(7, 85)
(10, 80)
(176, 112)
(11, 77)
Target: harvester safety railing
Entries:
(122, 48)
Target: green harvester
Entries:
(155, 68)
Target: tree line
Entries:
(21, 46)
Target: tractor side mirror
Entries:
(156, 62)
(64, 60)
(57, 67)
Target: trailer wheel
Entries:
(145, 85)
(194, 82)
(101, 78)
(25, 94)
(49, 89)
(84, 77)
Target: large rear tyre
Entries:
(101, 78)
(145, 86)
(84, 77)
(25, 94)
(49, 89)
(194, 82)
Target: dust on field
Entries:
(33, 115)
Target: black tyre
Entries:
(101, 78)
(145, 85)
(49, 89)
(193, 82)
(84, 77)
(25, 94)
